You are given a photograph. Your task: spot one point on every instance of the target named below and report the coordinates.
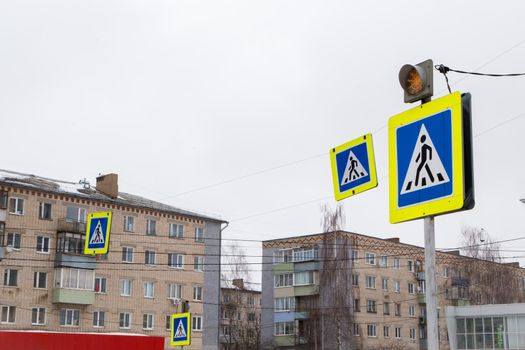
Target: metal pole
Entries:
(430, 281)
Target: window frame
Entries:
(370, 258)
(151, 227)
(199, 234)
(37, 280)
(44, 249)
(198, 295)
(124, 321)
(125, 284)
(16, 240)
(98, 321)
(150, 255)
(14, 208)
(43, 213)
(129, 223)
(39, 312)
(8, 277)
(148, 321)
(75, 321)
(103, 285)
(176, 230)
(370, 282)
(149, 289)
(128, 252)
(198, 263)
(371, 330)
(196, 321)
(10, 314)
(173, 260)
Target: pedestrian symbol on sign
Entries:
(98, 235)
(181, 332)
(354, 170)
(425, 168)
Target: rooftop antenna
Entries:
(85, 183)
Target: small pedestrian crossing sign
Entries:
(97, 233)
(426, 160)
(353, 167)
(180, 329)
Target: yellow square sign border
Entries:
(367, 138)
(442, 205)
(92, 216)
(172, 331)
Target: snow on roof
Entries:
(78, 189)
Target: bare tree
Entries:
(240, 312)
(335, 283)
(481, 278)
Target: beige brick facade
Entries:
(34, 247)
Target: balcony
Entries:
(300, 291)
(64, 259)
(282, 268)
(73, 296)
(284, 340)
(420, 276)
(421, 298)
(301, 315)
(460, 281)
(68, 225)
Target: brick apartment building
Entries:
(161, 259)
(240, 316)
(345, 289)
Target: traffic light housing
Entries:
(417, 81)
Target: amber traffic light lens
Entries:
(414, 83)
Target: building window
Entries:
(44, 211)
(371, 330)
(147, 321)
(386, 308)
(421, 287)
(151, 227)
(196, 323)
(357, 305)
(197, 293)
(129, 224)
(304, 254)
(198, 263)
(127, 254)
(397, 286)
(69, 317)
(371, 282)
(14, 240)
(75, 214)
(11, 277)
(98, 319)
(384, 261)
(284, 328)
(411, 289)
(412, 333)
(355, 329)
(101, 285)
(355, 256)
(284, 304)
(16, 206)
(384, 284)
(283, 256)
(149, 289)
(168, 322)
(176, 231)
(398, 309)
(199, 234)
(3, 200)
(370, 258)
(410, 265)
(126, 287)
(397, 263)
(71, 243)
(371, 306)
(398, 332)
(251, 316)
(174, 291)
(42, 244)
(304, 278)
(74, 278)
(38, 316)
(250, 300)
(40, 280)
(149, 257)
(386, 331)
(355, 280)
(284, 280)
(446, 271)
(124, 320)
(8, 314)
(411, 311)
(176, 260)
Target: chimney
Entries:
(239, 283)
(108, 185)
(393, 239)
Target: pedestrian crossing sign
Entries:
(180, 329)
(97, 233)
(426, 160)
(353, 167)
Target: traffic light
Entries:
(417, 81)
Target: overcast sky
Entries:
(179, 95)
